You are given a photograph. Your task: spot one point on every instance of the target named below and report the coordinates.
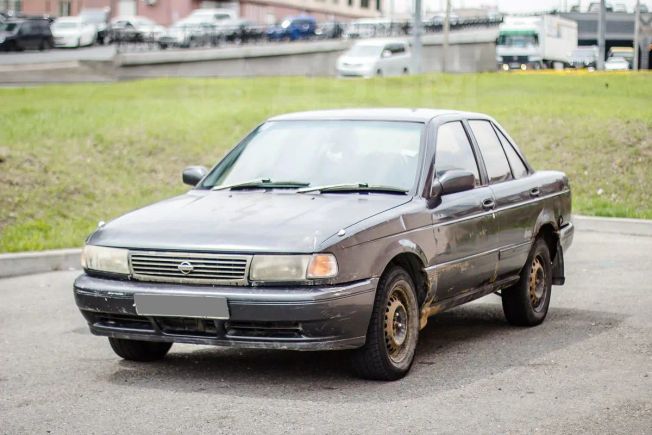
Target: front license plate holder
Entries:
(194, 306)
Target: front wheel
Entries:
(393, 330)
(526, 302)
(143, 351)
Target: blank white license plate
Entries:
(203, 307)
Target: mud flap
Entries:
(558, 277)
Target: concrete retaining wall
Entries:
(469, 52)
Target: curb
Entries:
(630, 227)
(27, 263)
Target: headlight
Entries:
(282, 268)
(103, 259)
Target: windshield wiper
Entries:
(359, 187)
(263, 183)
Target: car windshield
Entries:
(365, 50)
(325, 153)
(8, 27)
(518, 40)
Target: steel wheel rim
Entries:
(537, 283)
(398, 334)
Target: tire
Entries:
(393, 331)
(143, 351)
(526, 302)
(379, 73)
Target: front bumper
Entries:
(67, 41)
(298, 318)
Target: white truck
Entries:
(545, 41)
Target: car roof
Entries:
(385, 114)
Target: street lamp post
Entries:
(416, 45)
(602, 30)
(447, 29)
(637, 30)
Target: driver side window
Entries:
(454, 150)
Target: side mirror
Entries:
(193, 175)
(386, 53)
(452, 181)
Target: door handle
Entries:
(488, 204)
(535, 192)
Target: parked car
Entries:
(585, 57)
(73, 32)
(330, 30)
(135, 29)
(329, 230)
(190, 32)
(99, 17)
(438, 20)
(23, 34)
(293, 29)
(216, 15)
(625, 52)
(617, 64)
(241, 31)
(369, 28)
(375, 58)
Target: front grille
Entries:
(192, 268)
(516, 59)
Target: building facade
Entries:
(168, 11)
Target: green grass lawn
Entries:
(76, 154)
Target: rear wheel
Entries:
(393, 330)
(134, 350)
(526, 302)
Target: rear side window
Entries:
(26, 28)
(518, 167)
(492, 151)
(397, 49)
(454, 150)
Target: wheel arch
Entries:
(410, 257)
(550, 234)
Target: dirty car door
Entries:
(464, 228)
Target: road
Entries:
(587, 369)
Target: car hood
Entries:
(358, 60)
(243, 221)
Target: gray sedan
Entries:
(340, 229)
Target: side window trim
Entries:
(502, 146)
(484, 175)
(470, 130)
(516, 149)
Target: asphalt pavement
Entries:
(97, 52)
(587, 369)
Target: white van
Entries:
(375, 58)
